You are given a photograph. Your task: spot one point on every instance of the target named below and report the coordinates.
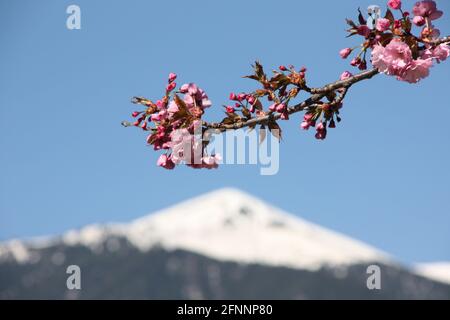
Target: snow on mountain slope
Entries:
(228, 224)
(439, 271)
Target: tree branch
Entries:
(439, 41)
(317, 95)
(311, 102)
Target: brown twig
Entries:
(438, 41)
(311, 102)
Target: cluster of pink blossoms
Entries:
(397, 59)
(395, 50)
(177, 125)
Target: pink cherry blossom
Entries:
(383, 24)
(173, 108)
(441, 52)
(396, 60)
(192, 89)
(395, 4)
(416, 70)
(392, 59)
(184, 88)
(427, 9)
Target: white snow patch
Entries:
(439, 271)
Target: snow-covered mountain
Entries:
(224, 244)
(226, 224)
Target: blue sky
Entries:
(382, 176)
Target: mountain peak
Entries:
(228, 224)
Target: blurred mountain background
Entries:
(224, 244)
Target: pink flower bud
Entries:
(321, 131)
(273, 107)
(307, 117)
(305, 125)
(251, 99)
(320, 126)
(395, 4)
(172, 77)
(280, 107)
(356, 61)
(345, 75)
(233, 96)
(344, 53)
(282, 68)
(135, 114)
(230, 109)
(419, 21)
(171, 86)
(284, 116)
(165, 162)
(241, 96)
(427, 9)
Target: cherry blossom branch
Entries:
(389, 44)
(311, 103)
